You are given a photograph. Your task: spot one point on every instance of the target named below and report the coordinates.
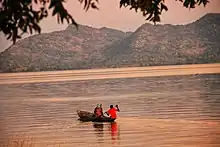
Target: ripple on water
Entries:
(172, 111)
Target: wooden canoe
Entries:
(88, 116)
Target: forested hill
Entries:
(197, 42)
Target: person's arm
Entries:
(117, 108)
(94, 110)
(102, 112)
(107, 113)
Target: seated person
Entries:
(112, 111)
(98, 111)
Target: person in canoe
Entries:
(112, 111)
(98, 111)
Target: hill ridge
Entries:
(89, 47)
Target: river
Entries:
(162, 111)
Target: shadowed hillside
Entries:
(198, 42)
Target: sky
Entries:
(110, 15)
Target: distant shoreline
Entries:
(108, 68)
(108, 73)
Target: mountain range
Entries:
(88, 48)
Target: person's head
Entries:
(111, 106)
(99, 105)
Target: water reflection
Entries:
(112, 130)
(99, 129)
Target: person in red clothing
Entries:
(112, 111)
(98, 111)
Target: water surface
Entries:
(181, 111)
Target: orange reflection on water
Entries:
(113, 130)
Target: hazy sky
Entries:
(110, 15)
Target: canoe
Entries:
(88, 116)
